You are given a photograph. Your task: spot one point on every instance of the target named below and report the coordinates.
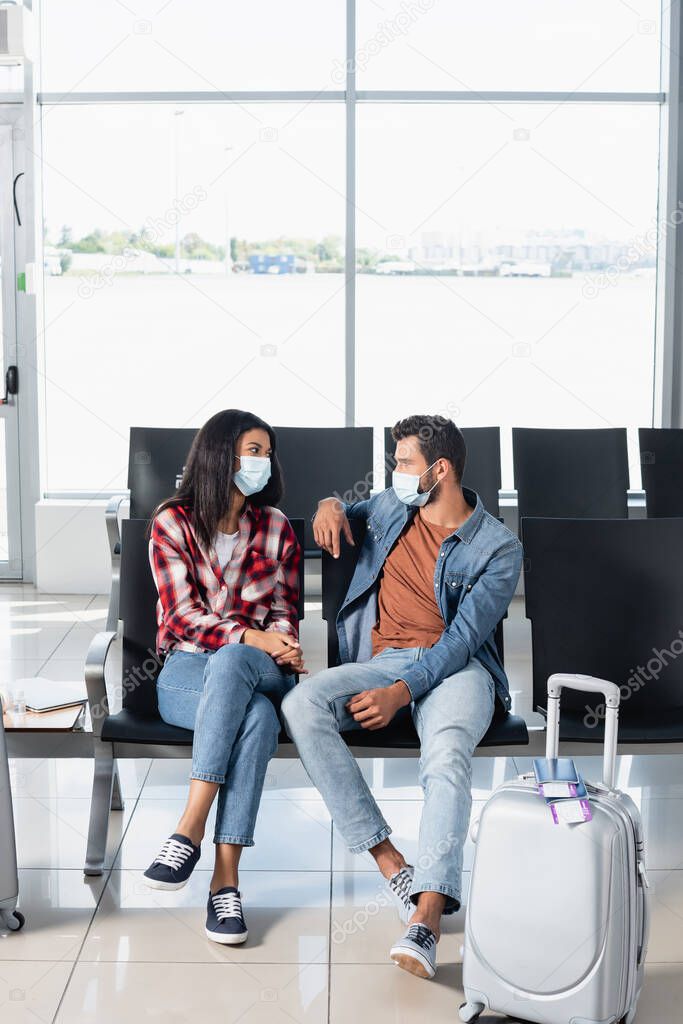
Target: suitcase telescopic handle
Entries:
(588, 684)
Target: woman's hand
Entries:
(291, 657)
(284, 649)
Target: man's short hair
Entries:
(438, 437)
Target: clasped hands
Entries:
(285, 650)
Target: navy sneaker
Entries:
(174, 863)
(224, 917)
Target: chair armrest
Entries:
(95, 661)
(111, 519)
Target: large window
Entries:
(566, 45)
(207, 179)
(194, 259)
(497, 292)
(157, 45)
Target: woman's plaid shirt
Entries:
(201, 608)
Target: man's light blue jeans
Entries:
(224, 697)
(450, 721)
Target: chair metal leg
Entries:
(116, 797)
(100, 803)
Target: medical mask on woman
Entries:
(406, 487)
(253, 474)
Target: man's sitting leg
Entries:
(451, 720)
(315, 712)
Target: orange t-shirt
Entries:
(408, 615)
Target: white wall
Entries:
(72, 553)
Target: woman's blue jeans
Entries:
(224, 697)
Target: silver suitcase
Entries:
(10, 918)
(557, 917)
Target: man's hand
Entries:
(373, 709)
(283, 648)
(329, 523)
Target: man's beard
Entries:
(433, 494)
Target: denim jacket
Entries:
(474, 579)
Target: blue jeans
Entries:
(450, 721)
(224, 697)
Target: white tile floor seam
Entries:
(95, 949)
(106, 876)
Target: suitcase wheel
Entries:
(13, 920)
(470, 1011)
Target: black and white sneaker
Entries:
(399, 886)
(174, 863)
(224, 917)
(416, 951)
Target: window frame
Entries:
(667, 398)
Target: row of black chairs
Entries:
(604, 598)
(564, 473)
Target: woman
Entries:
(226, 565)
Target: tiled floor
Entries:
(110, 950)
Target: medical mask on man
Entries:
(406, 487)
(253, 474)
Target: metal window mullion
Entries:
(183, 96)
(350, 233)
(668, 377)
(30, 319)
(336, 96)
(502, 96)
(10, 347)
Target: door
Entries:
(10, 518)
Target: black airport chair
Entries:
(571, 473)
(318, 462)
(400, 736)
(156, 457)
(661, 465)
(605, 598)
(482, 470)
(137, 730)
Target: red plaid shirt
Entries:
(201, 608)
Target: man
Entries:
(435, 575)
